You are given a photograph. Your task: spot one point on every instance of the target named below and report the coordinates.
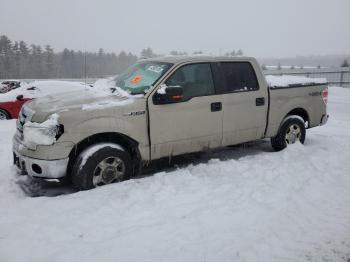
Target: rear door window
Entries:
(238, 76)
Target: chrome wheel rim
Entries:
(3, 116)
(109, 170)
(293, 134)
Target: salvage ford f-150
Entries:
(161, 108)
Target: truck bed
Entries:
(285, 92)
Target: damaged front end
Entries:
(29, 144)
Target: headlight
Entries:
(45, 133)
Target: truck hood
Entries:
(85, 100)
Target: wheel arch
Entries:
(7, 112)
(299, 112)
(129, 144)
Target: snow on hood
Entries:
(102, 95)
(39, 89)
(287, 80)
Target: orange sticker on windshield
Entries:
(136, 79)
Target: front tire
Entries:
(101, 164)
(4, 115)
(291, 131)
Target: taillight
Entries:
(325, 96)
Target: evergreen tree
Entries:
(6, 57)
(345, 63)
(200, 52)
(147, 53)
(17, 60)
(49, 62)
(239, 52)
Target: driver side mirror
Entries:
(168, 95)
(19, 97)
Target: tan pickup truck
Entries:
(161, 108)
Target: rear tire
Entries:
(291, 131)
(4, 115)
(101, 164)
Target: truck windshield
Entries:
(139, 78)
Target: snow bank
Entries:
(40, 133)
(287, 80)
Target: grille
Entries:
(25, 115)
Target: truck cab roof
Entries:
(187, 59)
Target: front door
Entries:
(192, 124)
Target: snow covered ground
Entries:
(244, 203)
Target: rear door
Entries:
(192, 124)
(244, 103)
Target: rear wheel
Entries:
(101, 164)
(291, 131)
(4, 115)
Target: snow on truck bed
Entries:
(288, 80)
(237, 204)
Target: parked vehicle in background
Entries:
(9, 85)
(12, 101)
(3, 88)
(159, 108)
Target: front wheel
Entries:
(4, 115)
(101, 164)
(291, 131)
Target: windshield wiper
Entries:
(138, 93)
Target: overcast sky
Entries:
(262, 28)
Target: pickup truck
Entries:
(159, 108)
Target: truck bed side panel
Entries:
(284, 100)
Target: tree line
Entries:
(23, 61)
(20, 60)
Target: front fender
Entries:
(134, 127)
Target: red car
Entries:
(12, 101)
(9, 110)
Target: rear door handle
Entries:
(217, 106)
(260, 101)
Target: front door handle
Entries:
(260, 101)
(217, 106)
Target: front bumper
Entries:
(40, 168)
